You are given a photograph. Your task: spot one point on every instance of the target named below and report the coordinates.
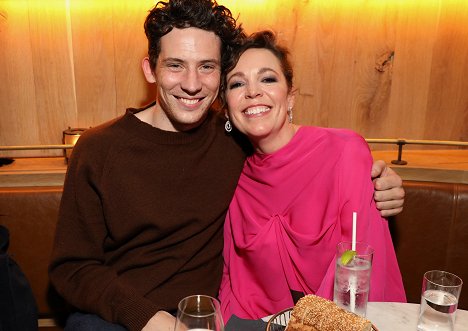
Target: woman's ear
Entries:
(149, 74)
(291, 99)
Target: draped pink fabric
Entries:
(290, 210)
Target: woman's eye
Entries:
(235, 85)
(269, 80)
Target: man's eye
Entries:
(208, 67)
(174, 65)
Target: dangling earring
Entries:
(290, 115)
(228, 126)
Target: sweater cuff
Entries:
(134, 312)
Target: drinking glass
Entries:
(352, 279)
(199, 313)
(439, 300)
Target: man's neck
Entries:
(152, 116)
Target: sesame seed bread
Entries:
(313, 313)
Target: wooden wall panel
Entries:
(93, 43)
(385, 68)
(131, 47)
(53, 73)
(18, 121)
(415, 37)
(447, 104)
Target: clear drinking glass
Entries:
(352, 279)
(439, 300)
(199, 313)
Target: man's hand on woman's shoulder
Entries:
(389, 193)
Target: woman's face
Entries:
(258, 97)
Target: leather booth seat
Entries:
(30, 214)
(430, 233)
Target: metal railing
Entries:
(399, 142)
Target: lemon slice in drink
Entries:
(347, 256)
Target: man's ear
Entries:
(149, 74)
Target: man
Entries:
(141, 220)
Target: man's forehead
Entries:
(191, 43)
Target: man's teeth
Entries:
(257, 110)
(189, 101)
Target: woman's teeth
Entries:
(256, 110)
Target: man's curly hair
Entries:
(202, 14)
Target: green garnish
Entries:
(347, 256)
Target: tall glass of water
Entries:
(439, 299)
(199, 313)
(352, 277)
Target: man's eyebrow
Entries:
(175, 59)
(172, 59)
(216, 61)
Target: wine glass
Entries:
(199, 313)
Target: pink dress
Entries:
(290, 210)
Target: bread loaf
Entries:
(313, 313)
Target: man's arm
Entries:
(389, 193)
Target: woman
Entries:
(296, 195)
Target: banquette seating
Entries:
(431, 233)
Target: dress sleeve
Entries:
(77, 269)
(225, 291)
(357, 195)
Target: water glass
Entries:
(199, 313)
(439, 300)
(352, 279)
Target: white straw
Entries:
(353, 242)
(352, 279)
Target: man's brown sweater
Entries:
(141, 218)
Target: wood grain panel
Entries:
(53, 72)
(131, 46)
(416, 29)
(447, 104)
(92, 26)
(384, 68)
(18, 120)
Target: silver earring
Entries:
(228, 126)
(290, 115)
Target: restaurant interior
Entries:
(395, 71)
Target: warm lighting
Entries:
(70, 137)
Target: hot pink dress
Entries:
(290, 210)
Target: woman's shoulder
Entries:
(334, 135)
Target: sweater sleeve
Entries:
(357, 195)
(78, 270)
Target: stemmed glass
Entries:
(199, 313)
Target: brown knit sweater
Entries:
(141, 219)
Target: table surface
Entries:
(392, 316)
(396, 316)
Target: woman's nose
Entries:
(253, 91)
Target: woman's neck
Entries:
(272, 143)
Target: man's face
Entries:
(187, 75)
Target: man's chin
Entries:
(187, 124)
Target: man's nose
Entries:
(191, 83)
